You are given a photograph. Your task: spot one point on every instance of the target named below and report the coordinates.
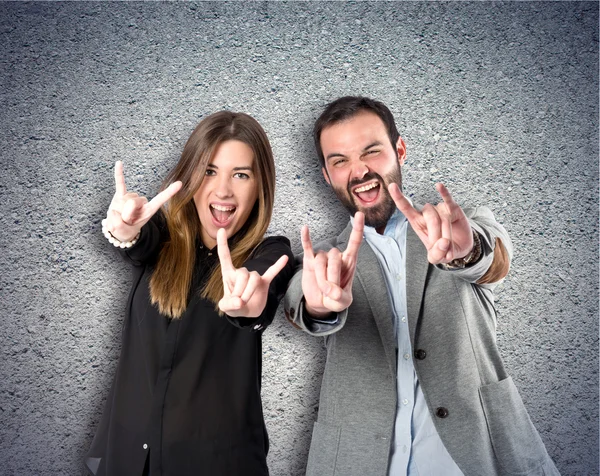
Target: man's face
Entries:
(360, 162)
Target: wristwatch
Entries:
(471, 258)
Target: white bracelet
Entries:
(116, 242)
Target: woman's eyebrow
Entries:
(235, 169)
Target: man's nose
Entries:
(359, 170)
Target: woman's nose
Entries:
(224, 188)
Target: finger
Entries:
(241, 281)
(129, 196)
(320, 270)
(132, 209)
(274, 270)
(223, 252)
(410, 212)
(117, 228)
(447, 235)
(438, 251)
(433, 225)
(335, 292)
(119, 200)
(163, 197)
(334, 266)
(446, 196)
(253, 282)
(356, 236)
(112, 221)
(307, 244)
(230, 304)
(120, 187)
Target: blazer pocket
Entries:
(517, 445)
(323, 450)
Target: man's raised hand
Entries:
(443, 228)
(245, 292)
(128, 212)
(327, 276)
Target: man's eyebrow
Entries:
(374, 144)
(339, 154)
(334, 154)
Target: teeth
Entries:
(364, 188)
(223, 208)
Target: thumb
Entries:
(132, 209)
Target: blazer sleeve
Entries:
(294, 308)
(483, 222)
(267, 253)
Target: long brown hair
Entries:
(172, 276)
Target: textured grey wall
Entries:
(499, 100)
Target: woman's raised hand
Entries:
(244, 292)
(128, 212)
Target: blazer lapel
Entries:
(416, 273)
(370, 277)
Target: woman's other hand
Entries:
(244, 292)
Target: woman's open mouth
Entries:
(222, 214)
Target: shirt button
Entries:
(145, 446)
(403, 319)
(398, 277)
(406, 356)
(405, 401)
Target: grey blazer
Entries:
(473, 402)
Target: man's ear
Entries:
(401, 150)
(326, 175)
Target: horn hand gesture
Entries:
(245, 292)
(327, 276)
(128, 212)
(443, 228)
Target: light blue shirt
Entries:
(417, 449)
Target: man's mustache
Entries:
(366, 178)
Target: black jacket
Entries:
(186, 396)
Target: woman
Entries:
(186, 396)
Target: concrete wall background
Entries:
(498, 100)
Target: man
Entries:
(413, 383)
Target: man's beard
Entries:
(378, 215)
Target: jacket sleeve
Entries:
(267, 253)
(294, 308)
(483, 222)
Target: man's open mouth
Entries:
(367, 193)
(222, 213)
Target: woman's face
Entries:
(228, 192)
